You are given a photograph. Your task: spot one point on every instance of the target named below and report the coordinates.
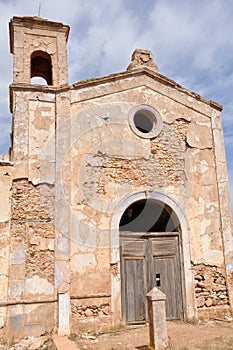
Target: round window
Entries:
(145, 121)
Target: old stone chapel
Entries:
(112, 186)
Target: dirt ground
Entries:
(214, 335)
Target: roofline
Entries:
(111, 78)
(140, 71)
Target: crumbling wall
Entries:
(107, 174)
(31, 274)
(210, 286)
(110, 161)
(5, 186)
(91, 314)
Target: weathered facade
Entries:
(113, 186)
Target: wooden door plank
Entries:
(166, 265)
(135, 296)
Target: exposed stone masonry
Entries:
(32, 231)
(119, 171)
(170, 145)
(80, 310)
(31, 202)
(210, 286)
(165, 166)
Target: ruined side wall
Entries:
(31, 296)
(211, 290)
(5, 186)
(31, 266)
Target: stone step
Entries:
(63, 343)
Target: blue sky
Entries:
(191, 41)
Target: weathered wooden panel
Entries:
(166, 275)
(135, 290)
(148, 262)
(166, 246)
(164, 279)
(134, 247)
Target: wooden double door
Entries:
(148, 261)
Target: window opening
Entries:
(142, 122)
(145, 121)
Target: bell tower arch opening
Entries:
(41, 66)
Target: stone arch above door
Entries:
(188, 288)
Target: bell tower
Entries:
(39, 145)
(39, 49)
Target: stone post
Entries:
(63, 314)
(157, 319)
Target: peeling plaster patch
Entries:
(16, 289)
(84, 262)
(210, 286)
(201, 206)
(205, 223)
(230, 270)
(37, 285)
(61, 274)
(199, 136)
(18, 254)
(211, 255)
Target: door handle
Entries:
(157, 280)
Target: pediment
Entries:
(138, 78)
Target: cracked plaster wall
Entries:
(81, 142)
(109, 161)
(31, 264)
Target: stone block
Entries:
(199, 136)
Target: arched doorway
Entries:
(150, 255)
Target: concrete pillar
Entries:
(157, 319)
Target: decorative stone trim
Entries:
(142, 58)
(145, 121)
